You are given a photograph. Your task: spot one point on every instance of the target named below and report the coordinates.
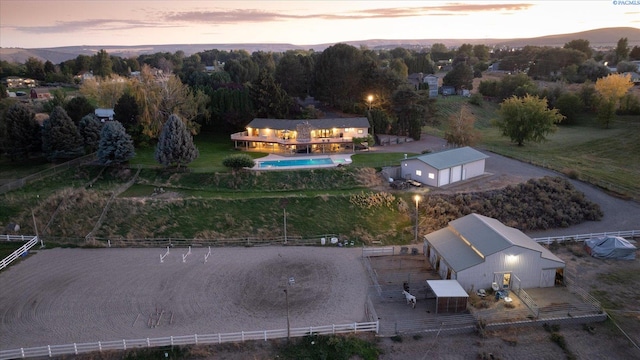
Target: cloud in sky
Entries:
(130, 22)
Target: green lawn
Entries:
(605, 157)
(212, 148)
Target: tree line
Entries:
(345, 78)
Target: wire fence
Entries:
(45, 173)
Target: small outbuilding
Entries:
(610, 247)
(444, 167)
(480, 253)
(450, 296)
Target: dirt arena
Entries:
(62, 296)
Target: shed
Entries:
(445, 167)
(610, 247)
(104, 114)
(480, 251)
(450, 296)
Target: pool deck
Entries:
(338, 159)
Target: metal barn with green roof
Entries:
(480, 252)
(445, 167)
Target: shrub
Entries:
(238, 161)
(476, 99)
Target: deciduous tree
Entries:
(159, 98)
(611, 89)
(116, 146)
(175, 145)
(460, 129)
(527, 119)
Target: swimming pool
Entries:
(294, 162)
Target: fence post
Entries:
(75, 348)
(22, 352)
(377, 326)
(355, 327)
(195, 337)
(148, 343)
(171, 340)
(333, 329)
(219, 338)
(265, 335)
(49, 348)
(124, 344)
(99, 346)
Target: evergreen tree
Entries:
(60, 137)
(90, 128)
(175, 145)
(116, 146)
(78, 107)
(22, 132)
(127, 112)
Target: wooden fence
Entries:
(77, 348)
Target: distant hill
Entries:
(606, 37)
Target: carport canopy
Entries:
(450, 296)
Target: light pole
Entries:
(286, 297)
(417, 198)
(373, 132)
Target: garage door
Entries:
(443, 177)
(456, 173)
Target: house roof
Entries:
(447, 288)
(449, 158)
(103, 113)
(286, 124)
(487, 235)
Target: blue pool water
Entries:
(294, 162)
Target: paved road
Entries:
(618, 214)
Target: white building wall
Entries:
(443, 177)
(473, 169)
(409, 168)
(456, 173)
(526, 264)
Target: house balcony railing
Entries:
(243, 136)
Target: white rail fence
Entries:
(583, 237)
(77, 348)
(16, 254)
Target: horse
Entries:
(410, 299)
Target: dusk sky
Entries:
(36, 24)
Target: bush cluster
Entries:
(368, 200)
(538, 204)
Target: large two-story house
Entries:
(302, 136)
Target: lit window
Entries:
(432, 176)
(419, 172)
(360, 131)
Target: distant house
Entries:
(445, 167)
(447, 90)
(83, 75)
(303, 136)
(104, 114)
(40, 94)
(480, 253)
(431, 81)
(18, 82)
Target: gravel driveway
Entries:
(619, 214)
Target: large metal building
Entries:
(445, 167)
(481, 252)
